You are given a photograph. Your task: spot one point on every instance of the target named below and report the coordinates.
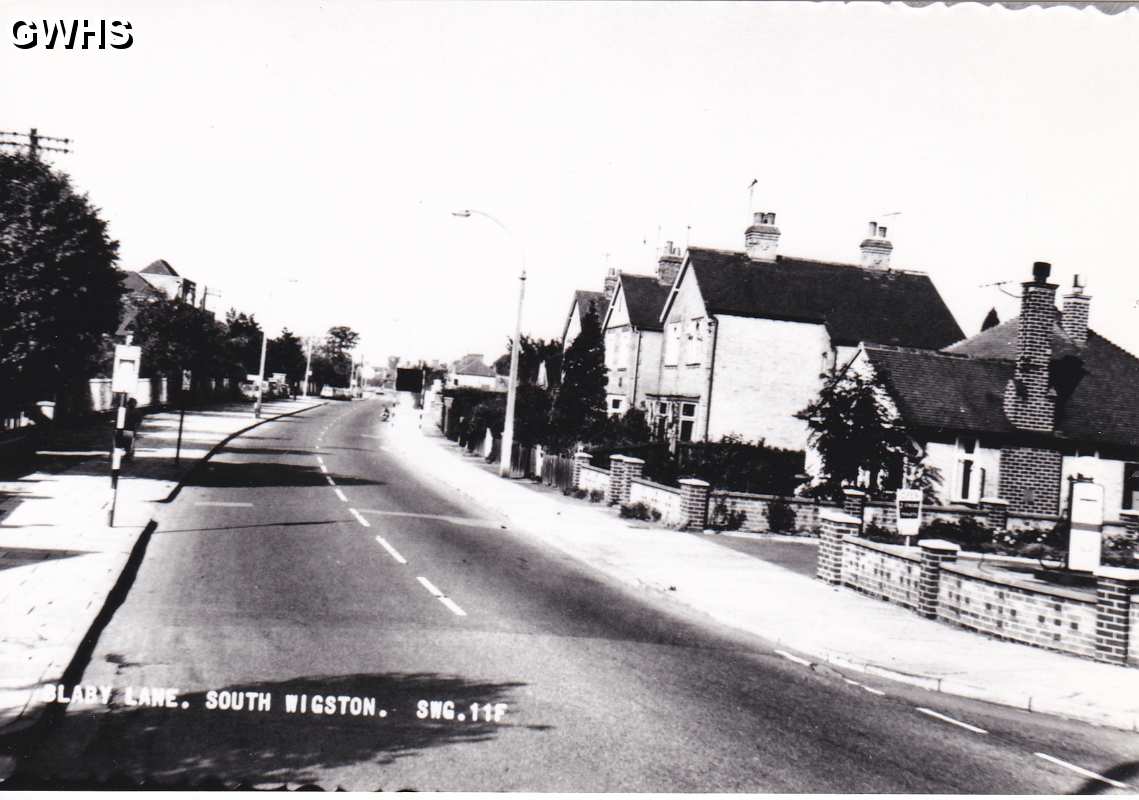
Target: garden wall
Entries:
(664, 499)
(755, 507)
(594, 478)
(886, 571)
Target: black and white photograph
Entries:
(569, 397)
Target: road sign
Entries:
(187, 380)
(279, 377)
(128, 358)
(1086, 541)
(908, 502)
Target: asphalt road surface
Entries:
(306, 560)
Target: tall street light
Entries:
(512, 389)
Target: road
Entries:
(305, 559)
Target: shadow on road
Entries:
(259, 474)
(195, 747)
(1124, 773)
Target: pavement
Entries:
(813, 622)
(60, 559)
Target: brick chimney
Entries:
(610, 283)
(1029, 401)
(761, 239)
(875, 248)
(1075, 318)
(669, 264)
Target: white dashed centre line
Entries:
(951, 721)
(223, 504)
(391, 550)
(330, 481)
(340, 494)
(1087, 773)
(360, 519)
(796, 659)
(324, 469)
(442, 598)
(872, 690)
(320, 460)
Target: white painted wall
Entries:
(1108, 473)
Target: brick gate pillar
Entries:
(833, 526)
(934, 553)
(996, 512)
(854, 505)
(694, 502)
(634, 467)
(616, 480)
(579, 460)
(1114, 589)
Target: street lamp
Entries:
(512, 389)
(261, 370)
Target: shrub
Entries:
(639, 511)
(1119, 552)
(966, 532)
(727, 518)
(596, 495)
(876, 533)
(780, 516)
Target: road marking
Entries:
(872, 690)
(370, 436)
(340, 494)
(477, 523)
(796, 659)
(324, 469)
(444, 599)
(360, 519)
(223, 504)
(391, 550)
(1087, 773)
(320, 460)
(952, 721)
(330, 481)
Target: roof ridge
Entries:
(822, 262)
(1107, 341)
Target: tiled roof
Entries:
(962, 388)
(159, 267)
(137, 284)
(645, 297)
(856, 304)
(472, 364)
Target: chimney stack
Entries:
(669, 264)
(1075, 318)
(761, 239)
(610, 283)
(875, 248)
(1029, 401)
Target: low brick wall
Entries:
(1051, 617)
(755, 507)
(1133, 648)
(665, 499)
(594, 478)
(887, 571)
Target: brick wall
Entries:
(594, 478)
(886, 571)
(1133, 647)
(665, 499)
(1027, 402)
(755, 507)
(1030, 479)
(1053, 618)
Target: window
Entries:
(672, 344)
(1130, 487)
(693, 349)
(687, 421)
(969, 481)
(615, 405)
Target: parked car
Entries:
(327, 393)
(248, 390)
(341, 393)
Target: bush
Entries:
(596, 495)
(966, 532)
(639, 510)
(727, 518)
(780, 516)
(876, 533)
(1119, 552)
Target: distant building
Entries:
(157, 280)
(471, 370)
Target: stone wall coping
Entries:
(928, 509)
(837, 515)
(618, 458)
(1118, 574)
(895, 550)
(654, 485)
(978, 573)
(595, 469)
(994, 501)
(939, 545)
(583, 456)
(854, 492)
(632, 460)
(693, 482)
(812, 501)
(1128, 514)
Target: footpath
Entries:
(59, 558)
(819, 623)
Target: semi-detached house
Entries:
(748, 335)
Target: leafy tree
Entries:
(532, 353)
(243, 343)
(578, 412)
(286, 354)
(855, 430)
(175, 336)
(60, 294)
(332, 359)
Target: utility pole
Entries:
(261, 375)
(33, 143)
(308, 362)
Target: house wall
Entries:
(1108, 473)
(477, 381)
(766, 371)
(685, 372)
(648, 366)
(944, 456)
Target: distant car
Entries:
(341, 393)
(327, 393)
(248, 390)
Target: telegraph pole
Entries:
(33, 142)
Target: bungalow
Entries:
(471, 370)
(748, 335)
(1016, 410)
(633, 333)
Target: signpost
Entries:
(124, 382)
(187, 384)
(908, 502)
(1085, 540)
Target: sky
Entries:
(302, 159)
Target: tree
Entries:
(578, 412)
(243, 342)
(532, 353)
(991, 320)
(175, 336)
(286, 354)
(332, 360)
(60, 293)
(856, 431)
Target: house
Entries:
(633, 333)
(1016, 410)
(748, 335)
(162, 276)
(584, 302)
(471, 370)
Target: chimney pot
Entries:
(761, 239)
(873, 229)
(1040, 271)
(881, 231)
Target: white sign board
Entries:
(128, 358)
(908, 502)
(187, 380)
(279, 377)
(1086, 542)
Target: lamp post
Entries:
(261, 369)
(512, 389)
